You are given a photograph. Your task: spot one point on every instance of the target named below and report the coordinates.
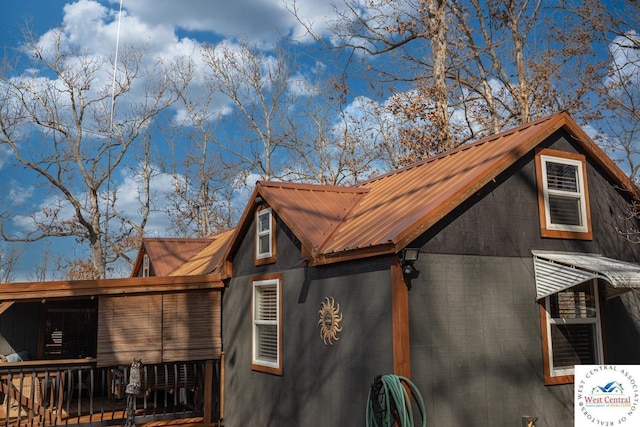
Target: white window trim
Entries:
(261, 233)
(145, 265)
(558, 372)
(255, 360)
(580, 195)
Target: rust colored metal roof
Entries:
(404, 200)
(166, 254)
(311, 211)
(385, 214)
(209, 259)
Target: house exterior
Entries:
(519, 236)
(524, 270)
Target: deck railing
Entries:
(76, 392)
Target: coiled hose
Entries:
(389, 402)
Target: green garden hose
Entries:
(389, 402)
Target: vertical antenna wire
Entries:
(115, 68)
(111, 117)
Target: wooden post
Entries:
(221, 394)
(208, 387)
(400, 320)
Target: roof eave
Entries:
(353, 254)
(37, 291)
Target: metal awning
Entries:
(556, 271)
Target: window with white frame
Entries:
(564, 208)
(264, 234)
(266, 346)
(573, 331)
(145, 265)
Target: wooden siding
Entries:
(475, 324)
(475, 346)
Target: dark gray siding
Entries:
(502, 219)
(476, 352)
(19, 329)
(476, 346)
(322, 385)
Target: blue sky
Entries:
(168, 28)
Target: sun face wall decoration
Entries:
(329, 322)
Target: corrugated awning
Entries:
(556, 271)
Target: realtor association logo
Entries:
(607, 395)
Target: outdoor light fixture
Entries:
(407, 257)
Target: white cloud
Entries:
(624, 68)
(19, 194)
(5, 154)
(258, 20)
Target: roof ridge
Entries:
(310, 186)
(184, 239)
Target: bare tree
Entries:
(334, 144)
(8, 261)
(515, 62)
(258, 85)
(206, 171)
(617, 114)
(414, 33)
(461, 69)
(59, 122)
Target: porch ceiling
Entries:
(36, 291)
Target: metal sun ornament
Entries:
(330, 318)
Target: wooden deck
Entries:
(171, 395)
(109, 414)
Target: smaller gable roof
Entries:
(208, 260)
(311, 211)
(166, 254)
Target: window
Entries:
(70, 330)
(145, 265)
(563, 198)
(265, 247)
(572, 333)
(267, 340)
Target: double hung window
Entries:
(267, 340)
(572, 331)
(265, 247)
(563, 198)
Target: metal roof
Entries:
(208, 260)
(313, 212)
(387, 213)
(557, 271)
(166, 254)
